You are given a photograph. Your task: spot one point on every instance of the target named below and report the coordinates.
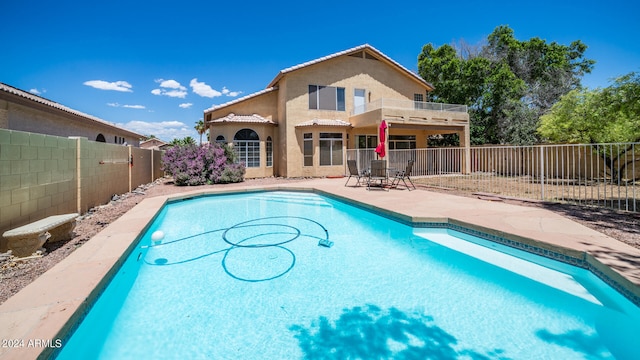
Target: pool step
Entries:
(293, 198)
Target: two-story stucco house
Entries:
(309, 115)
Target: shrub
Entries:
(191, 164)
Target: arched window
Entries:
(269, 146)
(221, 140)
(247, 145)
(100, 138)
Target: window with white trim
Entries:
(247, 144)
(330, 149)
(269, 148)
(418, 100)
(326, 98)
(308, 149)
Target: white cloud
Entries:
(170, 88)
(175, 93)
(164, 130)
(37, 92)
(185, 105)
(172, 84)
(203, 89)
(105, 85)
(127, 106)
(228, 92)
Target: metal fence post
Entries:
(542, 172)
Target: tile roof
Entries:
(235, 101)
(55, 105)
(324, 122)
(231, 117)
(347, 52)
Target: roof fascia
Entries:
(366, 47)
(244, 98)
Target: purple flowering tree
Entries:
(205, 164)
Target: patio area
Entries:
(42, 309)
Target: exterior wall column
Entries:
(80, 141)
(465, 142)
(130, 165)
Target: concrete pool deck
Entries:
(33, 320)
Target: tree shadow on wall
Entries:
(372, 333)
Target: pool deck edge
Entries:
(44, 308)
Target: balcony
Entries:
(411, 114)
(407, 105)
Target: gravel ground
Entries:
(15, 275)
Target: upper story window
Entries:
(326, 98)
(418, 100)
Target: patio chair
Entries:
(403, 175)
(378, 172)
(353, 172)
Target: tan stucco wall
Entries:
(377, 78)
(33, 117)
(283, 165)
(264, 131)
(264, 105)
(297, 165)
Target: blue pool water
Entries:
(242, 277)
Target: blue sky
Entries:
(155, 66)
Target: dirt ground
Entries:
(16, 274)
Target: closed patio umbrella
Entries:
(380, 148)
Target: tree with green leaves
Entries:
(184, 141)
(609, 115)
(507, 83)
(604, 115)
(201, 129)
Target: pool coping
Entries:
(53, 304)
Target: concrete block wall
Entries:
(105, 172)
(37, 177)
(156, 163)
(142, 175)
(44, 175)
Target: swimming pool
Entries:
(212, 288)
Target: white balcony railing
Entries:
(407, 105)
